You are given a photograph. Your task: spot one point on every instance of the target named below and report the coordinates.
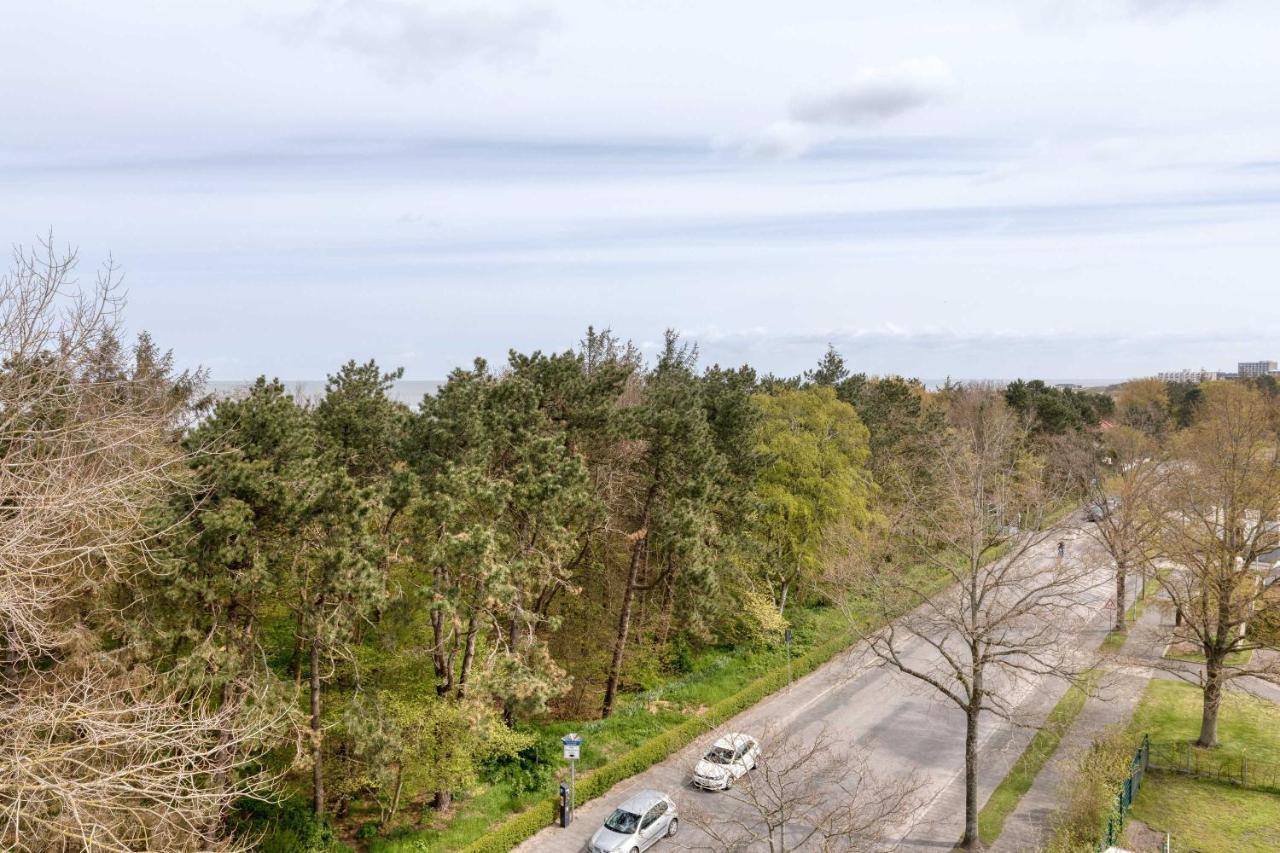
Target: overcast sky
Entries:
(974, 188)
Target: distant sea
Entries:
(407, 391)
(411, 391)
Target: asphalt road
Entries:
(902, 727)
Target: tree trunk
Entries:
(395, 797)
(970, 840)
(1212, 699)
(317, 750)
(1122, 572)
(628, 598)
(624, 626)
(468, 654)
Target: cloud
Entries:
(407, 40)
(876, 94)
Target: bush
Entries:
(287, 827)
(1090, 791)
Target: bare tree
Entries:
(806, 793)
(95, 751)
(1000, 625)
(1221, 514)
(1123, 489)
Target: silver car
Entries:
(637, 824)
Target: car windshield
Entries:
(622, 821)
(720, 755)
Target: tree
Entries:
(1000, 622)
(1123, 493)
(100, 747)
(1218, 517)
(672, 475)
(808, 793)
(815, 477)
(1144, 405)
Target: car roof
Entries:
(641, 801)
(731, 740)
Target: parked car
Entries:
(1096, 512)
(726, 762)
(637, 824)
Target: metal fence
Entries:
(1235, 768)
(1128, 790)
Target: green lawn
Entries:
(1170, 712)
(1233, 659)
(1201, 813)
(1208, 816)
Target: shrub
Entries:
(1090, 791)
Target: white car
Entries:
(726, 762)
(637, 824)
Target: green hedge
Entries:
(527, 823)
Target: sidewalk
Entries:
(1124, 678)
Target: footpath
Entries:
(1123, 680)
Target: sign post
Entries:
(572, 751)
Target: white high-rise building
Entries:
(1256, 368)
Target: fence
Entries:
(1235, 768)
(1128, 790)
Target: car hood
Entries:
(710, 770)
(607, 839)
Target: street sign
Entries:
(572, 747)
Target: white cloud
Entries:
(404, 39)
(876, 94)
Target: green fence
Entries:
(1236, 768)
(1128, 790)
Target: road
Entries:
(902, 726)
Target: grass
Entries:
(1004, 799)
(1201, 814)
(1170, 712)
(1233, 659)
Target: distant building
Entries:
(1200, 375)
(1256, 368)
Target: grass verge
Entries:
(1004, 799)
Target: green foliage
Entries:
(1090, 792)
(815, 479)
(1053, 411)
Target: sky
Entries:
(964, 188)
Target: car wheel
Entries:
(674, 827)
